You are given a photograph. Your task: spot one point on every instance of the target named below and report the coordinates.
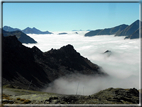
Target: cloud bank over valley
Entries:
(122, 63)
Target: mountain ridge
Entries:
(27, 30)
(106, 31)
(129, 29)
(121, 30)
(22, 37)
(22, 66)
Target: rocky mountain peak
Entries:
(31, 64)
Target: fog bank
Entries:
(123, 63)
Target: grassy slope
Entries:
(21, 96)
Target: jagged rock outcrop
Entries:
(107, 53)
(19, 67)
(24, 67)
(22, 37)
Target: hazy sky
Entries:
(69, 16)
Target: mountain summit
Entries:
(34, 30)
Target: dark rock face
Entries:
(107, 31)
(19, 67)
(22, 66)
(23, 38)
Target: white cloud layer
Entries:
(123, 64)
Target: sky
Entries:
(69, 16)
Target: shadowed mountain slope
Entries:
(22, 37)
(135, 35)
(107, 31)
(129, 30)
(24, 67)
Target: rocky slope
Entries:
(107, 96)
(30, 68)
(22, 37)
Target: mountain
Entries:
(30, 68)
(129, 30)
(22, 37)
(135, 35)
(27, 30)
(10, 29)
(33, 30)
(62, 33)
(107, 31)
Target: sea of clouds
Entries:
(123, 64)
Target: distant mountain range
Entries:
(27, 30)
(130, 31)
(22, 37)
(33, 30)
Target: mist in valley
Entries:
(122, 64)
